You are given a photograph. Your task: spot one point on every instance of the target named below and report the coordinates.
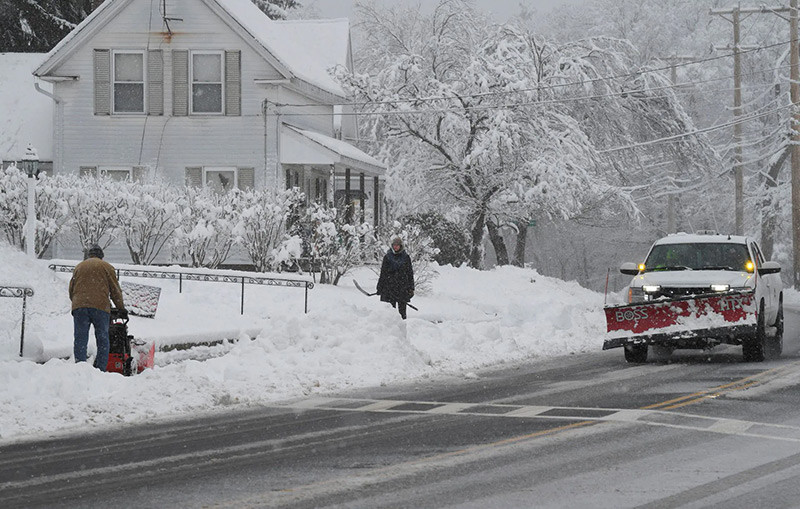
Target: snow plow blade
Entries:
(689, 322)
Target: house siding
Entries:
(165, 142)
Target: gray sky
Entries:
(501, 9)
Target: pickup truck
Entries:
(699, 291)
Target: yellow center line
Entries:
(742, 383)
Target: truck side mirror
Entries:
(769, 268)
(631, 269)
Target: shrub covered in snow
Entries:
(207, 230)
(264, 217)
(333, 245)
(51, 208)
(149, 215)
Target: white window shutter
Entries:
(194, 177)
(247, 178)
(155, 82)
(233, 83)
(88, 171)
(180, 83)
(102, 82)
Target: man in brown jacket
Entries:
(93, 281)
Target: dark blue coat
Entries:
(396, 282)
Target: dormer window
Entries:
(128, 82)
(207, 78)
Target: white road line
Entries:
(660, 418)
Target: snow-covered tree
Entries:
(332, 244)
(484, 117)
(94, 210)
(149, 213)
(263, 227)
(209, 222)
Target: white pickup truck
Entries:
(698, 291)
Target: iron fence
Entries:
(22, 292)
(214, 278)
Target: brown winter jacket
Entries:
(93, 280)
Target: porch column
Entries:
(348, 209)
(363, 196)
(375, 202)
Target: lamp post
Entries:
(30, 164)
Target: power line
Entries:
(685, 84)
(740, 120)
(553, 86)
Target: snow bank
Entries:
(274, 351)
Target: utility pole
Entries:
(794, 60)
(738, 170)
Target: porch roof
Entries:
(300, 146)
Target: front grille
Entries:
(672, 293)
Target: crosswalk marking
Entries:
(645, 417)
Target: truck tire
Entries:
(754, 347)
(636, 354)
(776, 341)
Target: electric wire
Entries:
(539, 88)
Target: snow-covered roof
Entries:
(26, 116)
(330, 149)
(308, 48)
(693, 238)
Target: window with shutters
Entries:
(220, 179)
(206, 72)
(128, 81)
(117, 173)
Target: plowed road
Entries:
(703, 430)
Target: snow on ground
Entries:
(471, 319)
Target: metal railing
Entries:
(215, 278)
(22, 292)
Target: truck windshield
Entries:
(699, 256)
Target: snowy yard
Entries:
(470, 319)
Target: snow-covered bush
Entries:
(13, 210)
(149, 215)
(333, 245)
(207, 232)
(451, 240)
(419, 247)
(264, 215)
(51, 209)
(93, 205)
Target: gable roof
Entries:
(306, 48)
(25, 114)
(303, 50)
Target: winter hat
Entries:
(397, 241)
(95, 251)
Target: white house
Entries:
(207, 92)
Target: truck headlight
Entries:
(651, 288)
(635, 294)
(720, 288)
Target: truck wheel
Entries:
(636, 354)
(754, 347)
(776, 341)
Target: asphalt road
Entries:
(702, 430)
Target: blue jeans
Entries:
(83, 317)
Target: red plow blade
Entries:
(722, 316)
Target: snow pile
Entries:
(469, 320)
